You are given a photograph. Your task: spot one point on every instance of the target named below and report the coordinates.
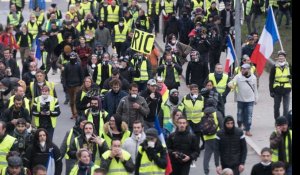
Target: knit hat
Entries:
(246, 66)
(281, 121)
(281, 52)
(173, 91)
(151, 133)
(209, 110)
(14, 161)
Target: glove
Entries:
(150, 153)
(272, 94)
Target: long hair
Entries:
(36, 140)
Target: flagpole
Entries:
(276, 28)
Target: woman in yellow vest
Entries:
(82, 98)
(85, 164)
(115, 128)
(117, 161)
(152, 155)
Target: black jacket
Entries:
(183, 142)
(260, 169)
(154, 104)
(82, 142)
(231, 146)
(196, 73)
(170, 77)
(12, 63)
(9, 114)
(223, 15)
(34, 156)
(172, 26)
(73, 75)
(125, 84)
(185, 27)
(111, 101)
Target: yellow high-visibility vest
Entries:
(40, 18)
(144, 73)
(149, 167)
(275, 157)
(120, 37)
(75, 169)
(26, 102)
(99, 71)
(197, 4)
(221, 86)
(49, 84)
(169, 6)
(113, 16)
(126, 135)
(68, 143)
(194, 112)
(52, 108)
(86, 7)
(282, 78)
(5, 147)
(116, 167)
(13, 21)
(149, 2)
(101, 120)
(28, 40)
(164, 74)
(209, 137)
(33, 29)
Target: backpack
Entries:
(207, 125)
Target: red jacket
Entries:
(8, 40)
(82, 51)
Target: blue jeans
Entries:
(244, 114)
(289, 171)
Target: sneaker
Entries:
(73, 117)
(193, 165)
(202, 147)
(248, 133)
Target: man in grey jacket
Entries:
(133, 107)
(246, 95)
(132, 143)
(103, 36)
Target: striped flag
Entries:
(51, 163)
(38, 54)
(265, 46)
(231, 56)
(162, 139)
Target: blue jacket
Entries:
(41, 4)
(111, 101)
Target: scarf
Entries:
(85, 169)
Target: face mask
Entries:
(88, 136)
(195, 96)
(151, 144)
(105, 63)
(246, 73)
(133, 95)
(40, 83)
(33, 72)
(121, 24)
(93, 65)
(173, 41)
(137, 137)
(281, 63)
(44, 96)
(265, 164)
(3, 89)
(196, 60)
(174, 99)
(169, 63)
(94, 109)
(43, 143)
(33, 21)
(101, 27)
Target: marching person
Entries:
(265, 166)
(280, 84)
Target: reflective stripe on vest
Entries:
(275, 157)
(221, 85)
(148, 167)
(128, 23)
(28, 40)
(13, 21)
(52, 108)
(150, 7)
(44, 58)
(101, 120)
(5, 147)
(120, 36)
(116, 167)
(193, 111)
(209, 137)
(282, 78)
(25, 101)
(68, 143)
(144, 73)
(175, 74)
(75, 169)
(113, 16)
(86, 7)
(197, 5)
(169, 7)
(49, 84)
(99, 71)
(33, 29)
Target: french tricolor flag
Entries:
(231, 56)
(162, 139)
(265, 45)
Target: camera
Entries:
(46, 107)
(181, 155)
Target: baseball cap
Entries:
(151, 133)
(14, 161)
(246, 66)
(281, 121)
(151, 82)
(281, 52)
